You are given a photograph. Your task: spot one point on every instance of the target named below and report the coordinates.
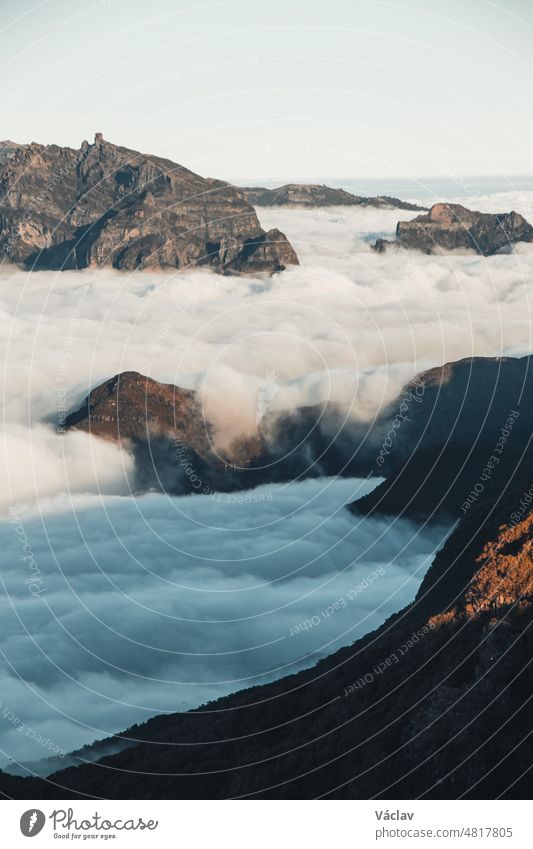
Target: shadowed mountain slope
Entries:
(434, 704)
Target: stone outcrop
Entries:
(164, 428)
(448, 227)
(309, 195)
(433, 704)
(132, 406)
(105, 205)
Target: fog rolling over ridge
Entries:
(148, 604)
(347, 327)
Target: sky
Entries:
(246, 90)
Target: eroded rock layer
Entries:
(105, 205)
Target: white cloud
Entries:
(153, 604)
(37, 461)
(124, 627)
(347, 325)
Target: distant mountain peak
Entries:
(313, 195)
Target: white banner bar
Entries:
(267, 824)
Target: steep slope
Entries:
(309, 195)
(107, 205)
(434, 704)
(456, 436)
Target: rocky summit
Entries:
(310, 195)
(106, 205)
(450, 226)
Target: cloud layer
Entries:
(115, 609)
(347, 326)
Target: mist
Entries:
(347, 327)
(115, 608)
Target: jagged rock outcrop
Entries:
(309, 195)
(449, 226)
(105, 205)
(434, 704)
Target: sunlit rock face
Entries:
(105, 205)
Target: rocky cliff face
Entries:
(308, 195)
(105, 205)
(434, 704)
(449, 226)
(487, 563)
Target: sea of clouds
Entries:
(129, 607)
(154, 603)
(348, 326)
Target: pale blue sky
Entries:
(250, 89)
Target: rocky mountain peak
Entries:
(66, 209)
(450, 226)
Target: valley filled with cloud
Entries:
(147, 603)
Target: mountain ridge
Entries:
(431, 705)
(314, 195)
(106, 205)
